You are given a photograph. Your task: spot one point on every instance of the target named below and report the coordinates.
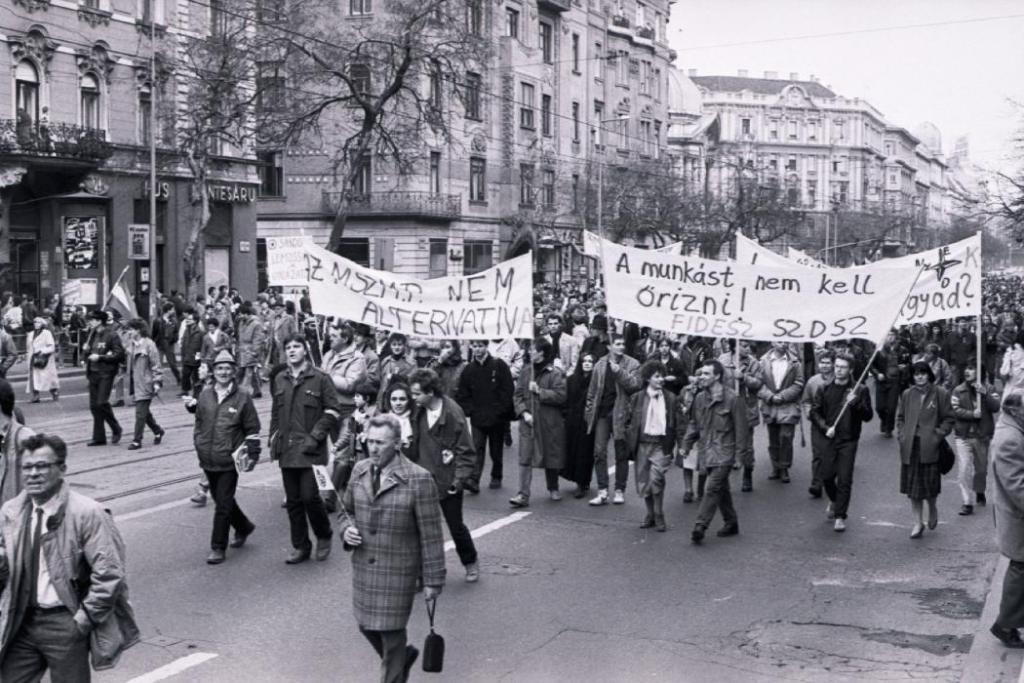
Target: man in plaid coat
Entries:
(391, 521)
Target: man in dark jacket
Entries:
(891, 369)
(165, 335)
(104, 354)
(838, 411)
(441, 445)
(225, 420)
(191, 353)
(485, 396)
(303, 414)
(974, 404)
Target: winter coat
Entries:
(929, 415)
(84, 553)
(789, 391)
(10, 459)
(964, 400)
(1007, 457)
(222, 426)
(568, 352)
(347, 368)
(144, 369)
(627, 383)
(753, 380)
(192, 344)
(541, 444)
(212, 347)
(485, 392)
(827, 404)
(251, 343)
(449, 433)
(107, 344)
(42, 379)
(718, 427)
(303, 414)
(8, 352)
(636, 420)
(402, 541)
(449, 371)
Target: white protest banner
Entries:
(494, 304)
(286, 260)
(592, 246)
(949, 287)
(691, 295)
(803, 259)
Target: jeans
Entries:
(303, 501)
(819, 442)
(717, 495)
(226, 515)
(602, 433)
(451, 508)
(780, 445)
(190, 383)
(250, 376)
(745, 455)
(887, 398)
(493, 438)
(144, 418)
(47, 641)
(99, 406)
(526, 480)
(972, 465)
(836, 472)
(390, 646)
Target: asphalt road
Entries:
(568, 592)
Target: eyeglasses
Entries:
(39, 467)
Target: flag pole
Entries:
(867, 366)
(978, 348)
(110, 294)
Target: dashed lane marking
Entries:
(174, 668)
(490, 526)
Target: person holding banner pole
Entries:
(975, 403)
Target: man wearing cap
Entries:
(225, 420)
(104, 353)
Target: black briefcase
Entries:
(433, 646)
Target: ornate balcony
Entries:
(427, 205)
(645, 32)
(554, 5)
(53, 140)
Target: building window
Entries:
(436, 99)
(575, 193)
(91, 4)
(362, 183)
(548, 188)
(355, 249)
(526, 184)
(773, 129)
(438, 258)
(657, 139)
(791, 164)
(576, 53)
(473, 96)
(844, 190)
(474, 17)
(547, 42)
(90, 98)
(526, 106)
(773, 164)
(359, 74)
(792, 130)
(792, 196)
(812, 131)
(545, 115)
(26, 86)
(575, 121)
(745, 126)
(599, 60)
(511, 22)
(477, 179)
(270, 87)
(435, 172)
(476, 256)
(645, 77)
(218, 18)
(840, 133)
(645, 138)
(145, 114)
(598, 125)
(622, 77)
(360, 7)
(151, 11)
(812, 192)
(271, 172)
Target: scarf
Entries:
(654, 423)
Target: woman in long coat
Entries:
(41, 344)
(539, 399)
(1008, 511)
(924, 419)
(579, 448)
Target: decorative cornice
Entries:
(33, 5)
(34, 46)
(94, 17)
(96, 60)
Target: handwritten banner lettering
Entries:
(493, 304)
(592, 246)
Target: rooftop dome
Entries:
(683, 95)
(929, 135)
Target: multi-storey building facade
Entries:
(572, 84)
(74, 157)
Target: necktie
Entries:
(376, 479)
(33, 571)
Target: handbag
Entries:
(433, 646)
(40, 360)
(946, 457)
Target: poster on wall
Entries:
(82, 242)
(138, 242)
(80, 292)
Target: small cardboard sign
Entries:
(323, 479)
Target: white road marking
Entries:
(174, 668)
(145, 512)
(490, 526)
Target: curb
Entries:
(988, 661)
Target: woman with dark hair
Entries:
(579, 453)
(539, 400)
(398, 402)
(924, 418)
(448, 366)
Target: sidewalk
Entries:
(988, 661)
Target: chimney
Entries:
(691, 72)
(814, 79)
(794, 76)
(771, 75)
(742, 73)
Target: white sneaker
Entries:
(555, 495)
(619, 499)
(840, 525)
(601, 498)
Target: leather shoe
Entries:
(815, 491)
(116, 436)
(917, 531)
(697, 535)
(134, 446)
(323, 548)
(729, 530)
(785, 476)
(1009, 637)
(774, 475)
(688, 497)
(157, 438)
(471, 486)
(96, 443)
(215, 557)
(298, 556)
(411, 653)
(240, 538)
(981, 499)
(659, 523)
(966, 510)
(495, 484)
(648, 522)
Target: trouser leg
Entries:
(227, 514)
(980, 464)
(773, 445)
(142, 416)
(716, 496)
(172, 362)
(1011, 605)
(525, 480)
(304, 504)
(480, 450)
(846, 457)
(451, 508)
(551, 479)
(621, 464)
(785, 446)
(496, 446)
(390, 646)
(602, 433)
(47, 641)
(965, 469)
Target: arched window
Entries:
(26, 87)
(90, 95)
